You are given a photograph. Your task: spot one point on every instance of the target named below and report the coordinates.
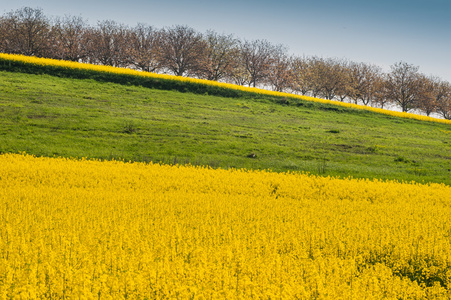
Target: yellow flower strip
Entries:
(123, 71)
(81, 229)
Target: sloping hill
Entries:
(45, 115)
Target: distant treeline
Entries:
(182, 51)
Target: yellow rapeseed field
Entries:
(113, 70)
(83, 229)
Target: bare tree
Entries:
(5, 42)
(279, 74)
(314, 76)
(256, 57)
(144, 48)
(69, 36)
(301, 75)
(444, 108)
(108, 44)
(181, 50)
(26, 31)
(219, 57)
(380, 96)
(329, 76)
(442, 92)
(89, 41)
(344, 89)
(239, 74)
(364, 82)
(402, 85)
(425, 99)
(340, 79)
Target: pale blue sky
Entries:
(381, 32)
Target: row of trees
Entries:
(181, 50)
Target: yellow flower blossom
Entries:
(86, 229)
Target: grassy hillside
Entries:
(46, 115)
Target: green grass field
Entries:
(45, 115)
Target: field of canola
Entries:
(81, 229)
